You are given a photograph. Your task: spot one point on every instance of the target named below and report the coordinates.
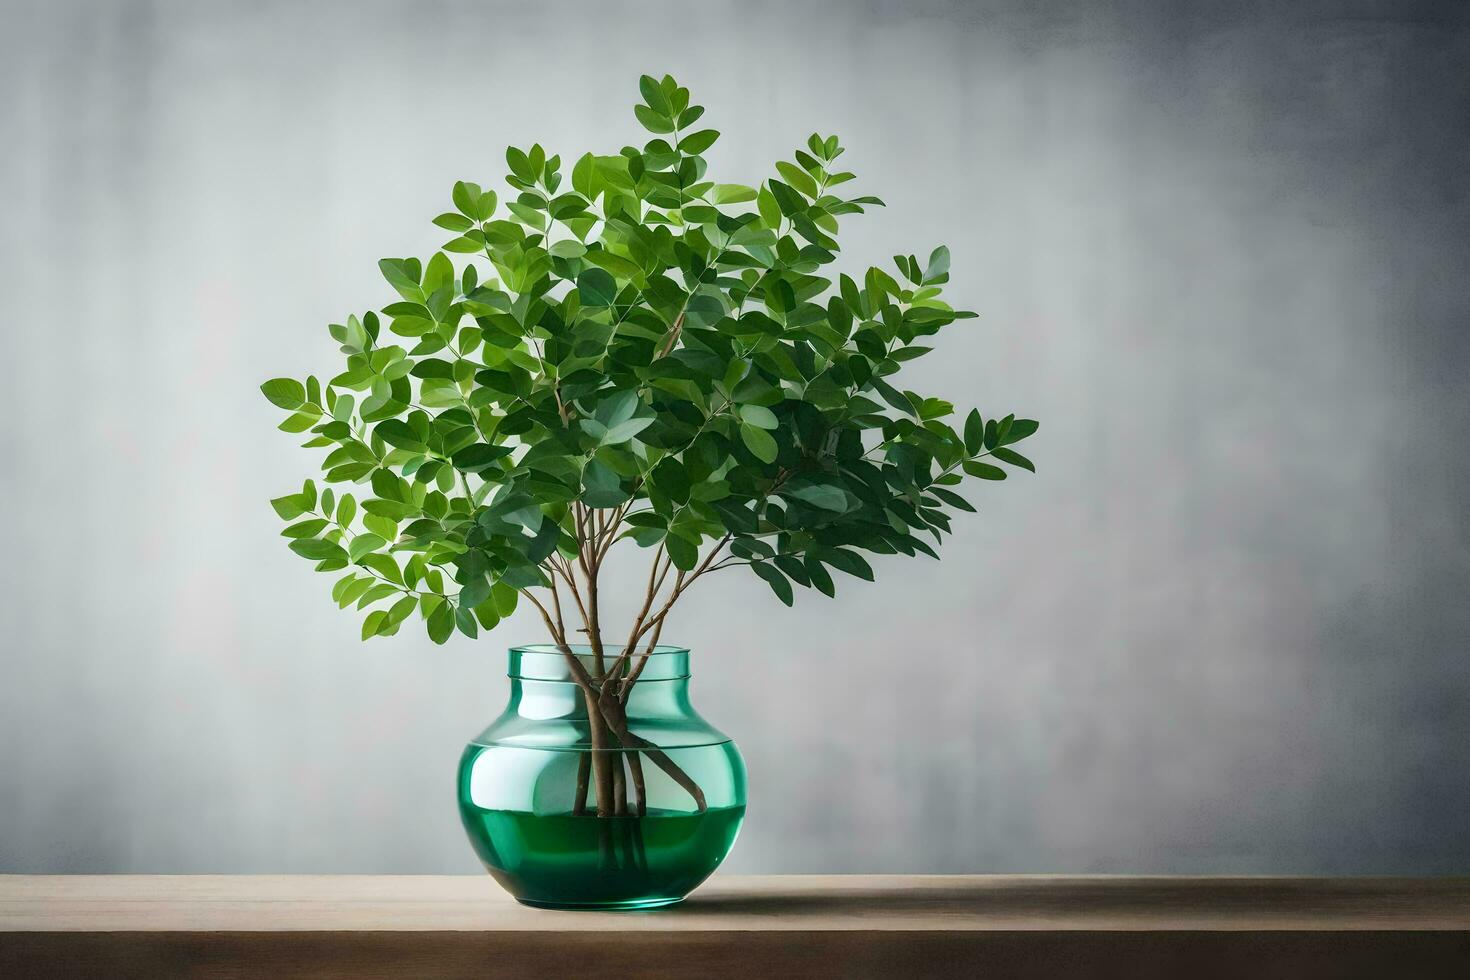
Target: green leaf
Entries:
(759, 442)
(983, 470)
(671, 479)
(652, 121)
(396, 272)
(584, 180)
(391, 509)
(342, 585)
(464, 246)
(450, 221)
(378, 590)
(616, 264)
(301, 421)
(770, 211)
(601, 486)
(441, 622)
(305, 529)
(851, 295)
(696, 143)
(384, 565)
(1020, 429)
(505, 598)
(362, 545)
(479, 457)
(682, 552)
(624, 431)
(938, 265)
(474, 592)
(909, 353)
(519, 164)
(953, 499)
(399, 611)
(823, 496)
(732, 194)
(438, 273)
(353, 592)
(617, 408)
(759, 416)
(849, 562)
(1014, 458)
(774, 579)
(384, 527)
(797, 178)
(653, 95)
(696, 214)
(568, 248)
(464, 621)
(595, 287)
(317, 549)
(375, 621)
(894, 397)
(386, 485)
(486, 206)
(466, 198)
(788, 200)
(284, 392)
(974, 432)
(291, 506)
(396, 432)
(820, 580)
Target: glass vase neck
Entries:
(551, 663)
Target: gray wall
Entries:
(1221, 251)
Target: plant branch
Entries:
(682, 582)
(650, 592)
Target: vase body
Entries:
(566, 813)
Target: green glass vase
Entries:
(569, 811)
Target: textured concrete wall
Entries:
(1220, 250)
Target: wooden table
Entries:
(779, 926)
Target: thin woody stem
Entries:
(583, 522)
(632, 677)
(594, 626)
(620, 783)
(647, 605)
(565, 571)
(561, 625)
(552, 626)
(681, 584)
(683, 581)
(668, 564)
(642, 625)
(632, 643)
(610, 533)
(605, 701)
(640, 795)
(673, 334)
(599, 723)
(584, 775)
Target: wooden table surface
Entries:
(771, 926)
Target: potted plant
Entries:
(630, 355)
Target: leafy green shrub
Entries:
(634, 352)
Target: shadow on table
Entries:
(1100, 895)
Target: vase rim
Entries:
(585, 649)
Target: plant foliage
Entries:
(620, 349)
